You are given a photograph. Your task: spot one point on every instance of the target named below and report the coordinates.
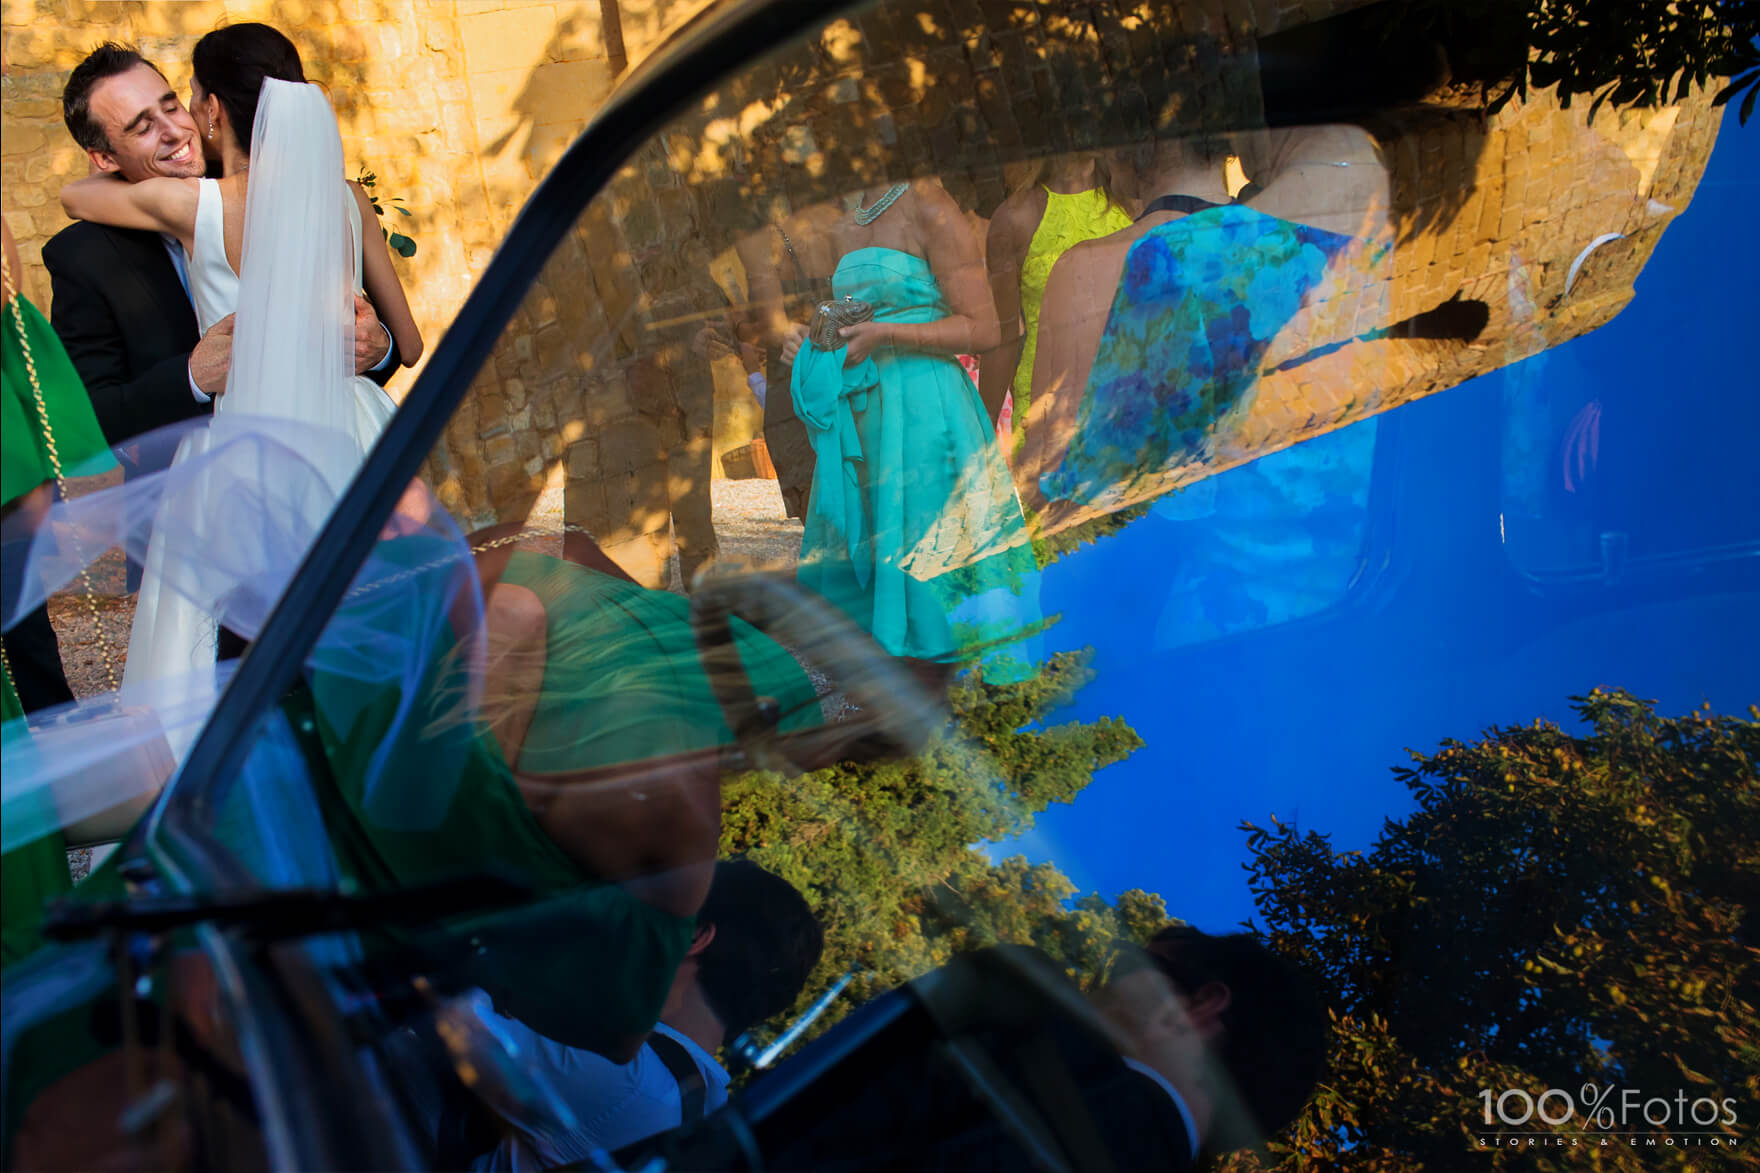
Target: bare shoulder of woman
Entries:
(932, 198)
(362, 200)
(160, 204)
(1017, 218)
(938, 216)
(1084, 279)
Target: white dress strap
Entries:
(355, 238)
(213, 286)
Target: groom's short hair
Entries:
(1274, 1029)
(107, 60)
(766, 943)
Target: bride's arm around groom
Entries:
(122, 303)
(167, 205)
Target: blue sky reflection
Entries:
(1511, 545)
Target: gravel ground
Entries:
(754, 530)
(92, 621)
(753, 527)
(749, 520)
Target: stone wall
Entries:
(1487, 211)
(598, 394)
(1524, 195)
(458, 106)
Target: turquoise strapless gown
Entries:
(914, 528)
(1200, 301)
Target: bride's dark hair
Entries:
(232, 62)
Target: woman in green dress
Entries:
(48, 432)
(550, 721)
(559, 727)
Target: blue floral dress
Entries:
(1200, 301)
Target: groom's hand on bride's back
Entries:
(372, 341)
(212, 358)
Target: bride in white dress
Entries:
(279, 241)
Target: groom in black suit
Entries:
(121, 302)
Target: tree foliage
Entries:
(1048, 548)
(1561, 907)
(888, 852)
(1615, 51)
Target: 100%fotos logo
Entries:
(1602, 1108)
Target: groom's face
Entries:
(149, 131)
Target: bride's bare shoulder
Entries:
(361, 198)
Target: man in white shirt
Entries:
(756, 943)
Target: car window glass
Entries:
(1025, 476)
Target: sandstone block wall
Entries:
(1497, 213)
(1493, 211)
(596, 393)
(458, 106)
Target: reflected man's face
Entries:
(1156, 1026)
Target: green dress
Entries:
(416, 789)
(626, 655)
(412, 789)
(36, 872)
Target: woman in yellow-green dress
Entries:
(47, 431)
(1069, 201)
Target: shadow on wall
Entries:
(539, 72)
(592, 390)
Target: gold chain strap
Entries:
(6, 669)
(85, 574)
(437, 563)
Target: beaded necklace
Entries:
(866, 216)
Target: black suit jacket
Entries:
(883, 1091)
(126, 322)
(128, 325)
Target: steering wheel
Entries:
(896, 710)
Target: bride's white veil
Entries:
(293, 344)
(237, 520)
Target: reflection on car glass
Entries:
(912, 524)
(1047, 586)
(1268, 542)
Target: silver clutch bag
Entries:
(834, 316)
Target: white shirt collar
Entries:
(1179, 1101)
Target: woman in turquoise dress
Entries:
(913, 528)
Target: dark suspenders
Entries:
(692, 1091)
